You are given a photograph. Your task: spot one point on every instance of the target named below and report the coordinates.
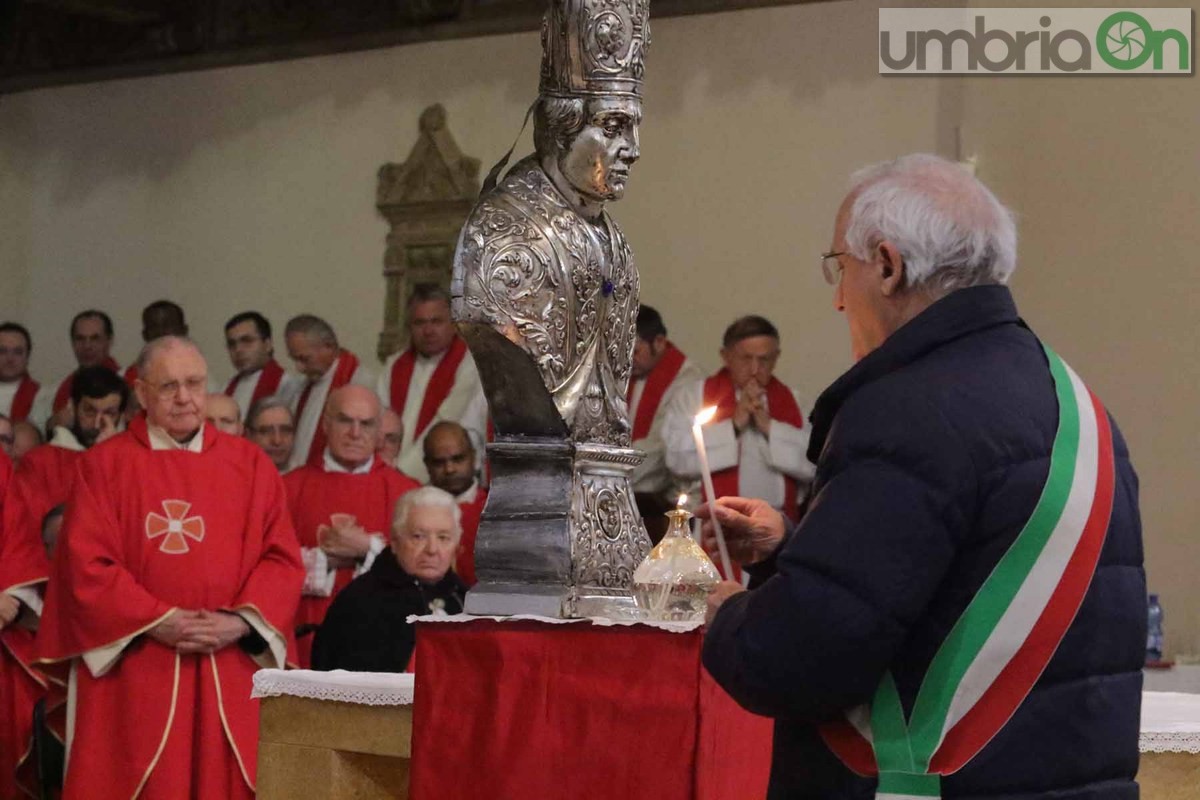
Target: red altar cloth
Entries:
(528, 709)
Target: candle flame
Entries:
(705, 416)
(682, 500)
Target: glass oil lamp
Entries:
(673, 583)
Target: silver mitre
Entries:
(545, 292)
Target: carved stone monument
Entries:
(425, 201)
(546, 295)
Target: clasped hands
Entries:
(192, 632)
(345, 542)
(752, 410)
(752, 532)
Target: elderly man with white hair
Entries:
(366, 628)
(176, 577)
(960, 611)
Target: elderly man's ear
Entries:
(891, 268)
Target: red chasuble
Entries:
(657, 383)
(147, 532)
(315, 496)
(63, 394)
(464, 565)
(268, 382)
(347, 365)
(22, 402)
(20, 686)
(438, 389)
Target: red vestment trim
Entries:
(22, 402)
(464, 564)
(657, 383)
(63, 394)
(268, 382)
(440, 383)
(131, 375)
(347, 365)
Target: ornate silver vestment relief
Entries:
(546, 295)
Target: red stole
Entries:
(63, 394)
(719, 391)
(347, 365)
(440, 383)
(131, 375)
(22, 402)
(268, 382)
(314, 496)
(464, 564)
(657, 383)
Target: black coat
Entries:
(366, 628)
(931, 453)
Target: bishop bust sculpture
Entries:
(546, 295)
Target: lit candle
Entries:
(706, 475)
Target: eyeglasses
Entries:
(832, 272)
(171, 388)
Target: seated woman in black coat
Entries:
(365, 629)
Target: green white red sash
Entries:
(999, 647)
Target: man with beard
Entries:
(175, 578)
(343, 507)
(450, 461)
(271, 426)
(259, 375)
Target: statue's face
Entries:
(596, 163)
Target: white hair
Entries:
(426, 496)
(950, 229)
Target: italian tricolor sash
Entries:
(999, 647)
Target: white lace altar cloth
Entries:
(362, 688)
(602, 622)
(1170, 723)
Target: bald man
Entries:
(343, 506)
(176, 578)
(450, 462)
(223, 412)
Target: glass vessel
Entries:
(673, 583)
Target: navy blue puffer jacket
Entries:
(931, 453)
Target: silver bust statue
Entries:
(546, 295)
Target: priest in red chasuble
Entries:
(40, 484)
(175, 578)
(434, 379)
(450, 460)
(342, 507)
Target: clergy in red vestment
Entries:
(450, 461)
(21, 397)
(433, 379)
(658, 370)
(40, 484)
(313, 345)
(91, 342)
(175, 578)
(757, 440)
(23, 569)
(258, 374)
(342, 507)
